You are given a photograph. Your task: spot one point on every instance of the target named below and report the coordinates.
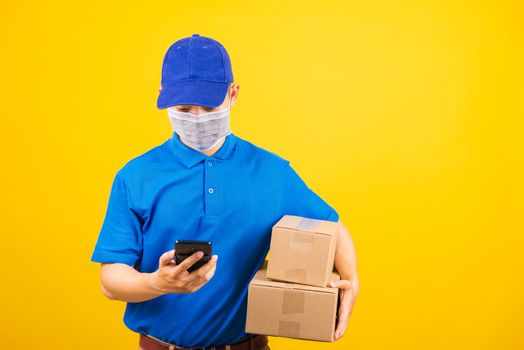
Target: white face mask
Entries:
(200, 131)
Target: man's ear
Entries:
(235, 99)
(160, 89)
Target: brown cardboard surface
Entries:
(261, 279)
(306, 224)
(291, 310)
(302, 250)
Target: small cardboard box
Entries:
(291, 310)
(302, 250)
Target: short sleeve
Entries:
(303, 201)
(120, 239)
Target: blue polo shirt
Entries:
(232, 199)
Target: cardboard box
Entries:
(291, 310)
(302, 250)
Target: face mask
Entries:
(200, 131)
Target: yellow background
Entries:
(406, 116)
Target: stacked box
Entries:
(289, 295)
(302, 250)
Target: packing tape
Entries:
(293, 302)
(301, 242)
(302, 237)
(307, 223)
(296, 275)
(289, 329)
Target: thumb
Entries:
(165, 259)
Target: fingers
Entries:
(341, 328)
(340, 320)
(210, 274)
(166, 258)
(187, 281)
(339, 333)
(203, 274)
(203, 270)
(340, 306)
(193, 258)
(344, 312)
(196, 279)
(340, 284)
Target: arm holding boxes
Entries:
(346, 265)
(292, 295)
(306, 203)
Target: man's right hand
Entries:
(173, 278)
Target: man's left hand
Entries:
(348, 293)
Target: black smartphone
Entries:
(185, 248)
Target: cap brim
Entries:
(194, 92)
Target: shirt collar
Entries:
(189, 156)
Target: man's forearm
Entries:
(123, 282)
(345, 256)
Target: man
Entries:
(203, 183)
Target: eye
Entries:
(208, 108)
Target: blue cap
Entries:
(195, 71)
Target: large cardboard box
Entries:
(302, 250)
(291, 310)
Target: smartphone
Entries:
(185, 248)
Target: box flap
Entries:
(294, 222)
(260, 279)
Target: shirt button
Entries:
(211, 190)
(210, 163)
